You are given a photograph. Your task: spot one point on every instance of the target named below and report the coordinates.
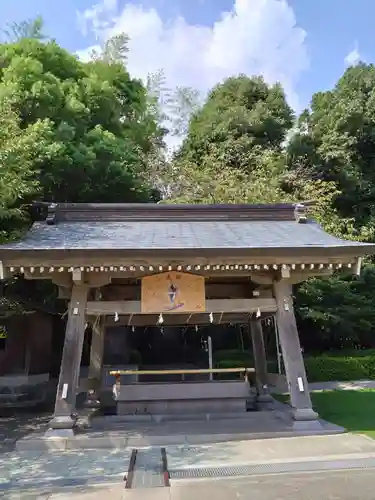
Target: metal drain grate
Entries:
(149, 469)
(275, 468)
(130, 475)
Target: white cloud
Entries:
(354, 57)
(256, 37)
(98, 18)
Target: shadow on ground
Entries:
(18, 423)
(50, 472)
(77, 489)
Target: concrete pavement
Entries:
(279, 450)
(343, 485)
(332, 485)
(342, 386)
(27, 470)
(93, 474)
(355, 385)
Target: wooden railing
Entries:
(182, 372)
(194, 371)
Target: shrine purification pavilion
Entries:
(147, 264)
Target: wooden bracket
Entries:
(285, 272)
(77, 276)
(97, 280)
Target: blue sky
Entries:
(194, 46)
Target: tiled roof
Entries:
(159, 227)
(178, 235)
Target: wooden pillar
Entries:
(264, 398)
(96, 360)
(292, 355)
(71, 360)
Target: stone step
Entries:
(115, 420)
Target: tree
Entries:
(32, 28)
(20, 149)
(113, 50)
(233, 152)
(335, 142)
(239, 115)
(181, 105)
(215, 182)
(337, 312)
(171, 110)
(101, 130)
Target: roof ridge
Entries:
(110, 212)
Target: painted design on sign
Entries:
(173, 292)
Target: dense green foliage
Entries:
(339, 365)
(336, 142)
(337, 313)
(240, 118)
(95, 123)
(232, 149)
(343, 368)
(20, 149)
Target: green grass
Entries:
(354, 410)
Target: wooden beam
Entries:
(292, 355)
(98, 308)
(197, 371)
(71, 359)
(61, 279)
(300, 276)
(96, 354)
(97, 280)
(263, 273)
(262, 278)
(295, 276)
(260, 360)
(183, 320)
(213, 291)
(155, 257)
